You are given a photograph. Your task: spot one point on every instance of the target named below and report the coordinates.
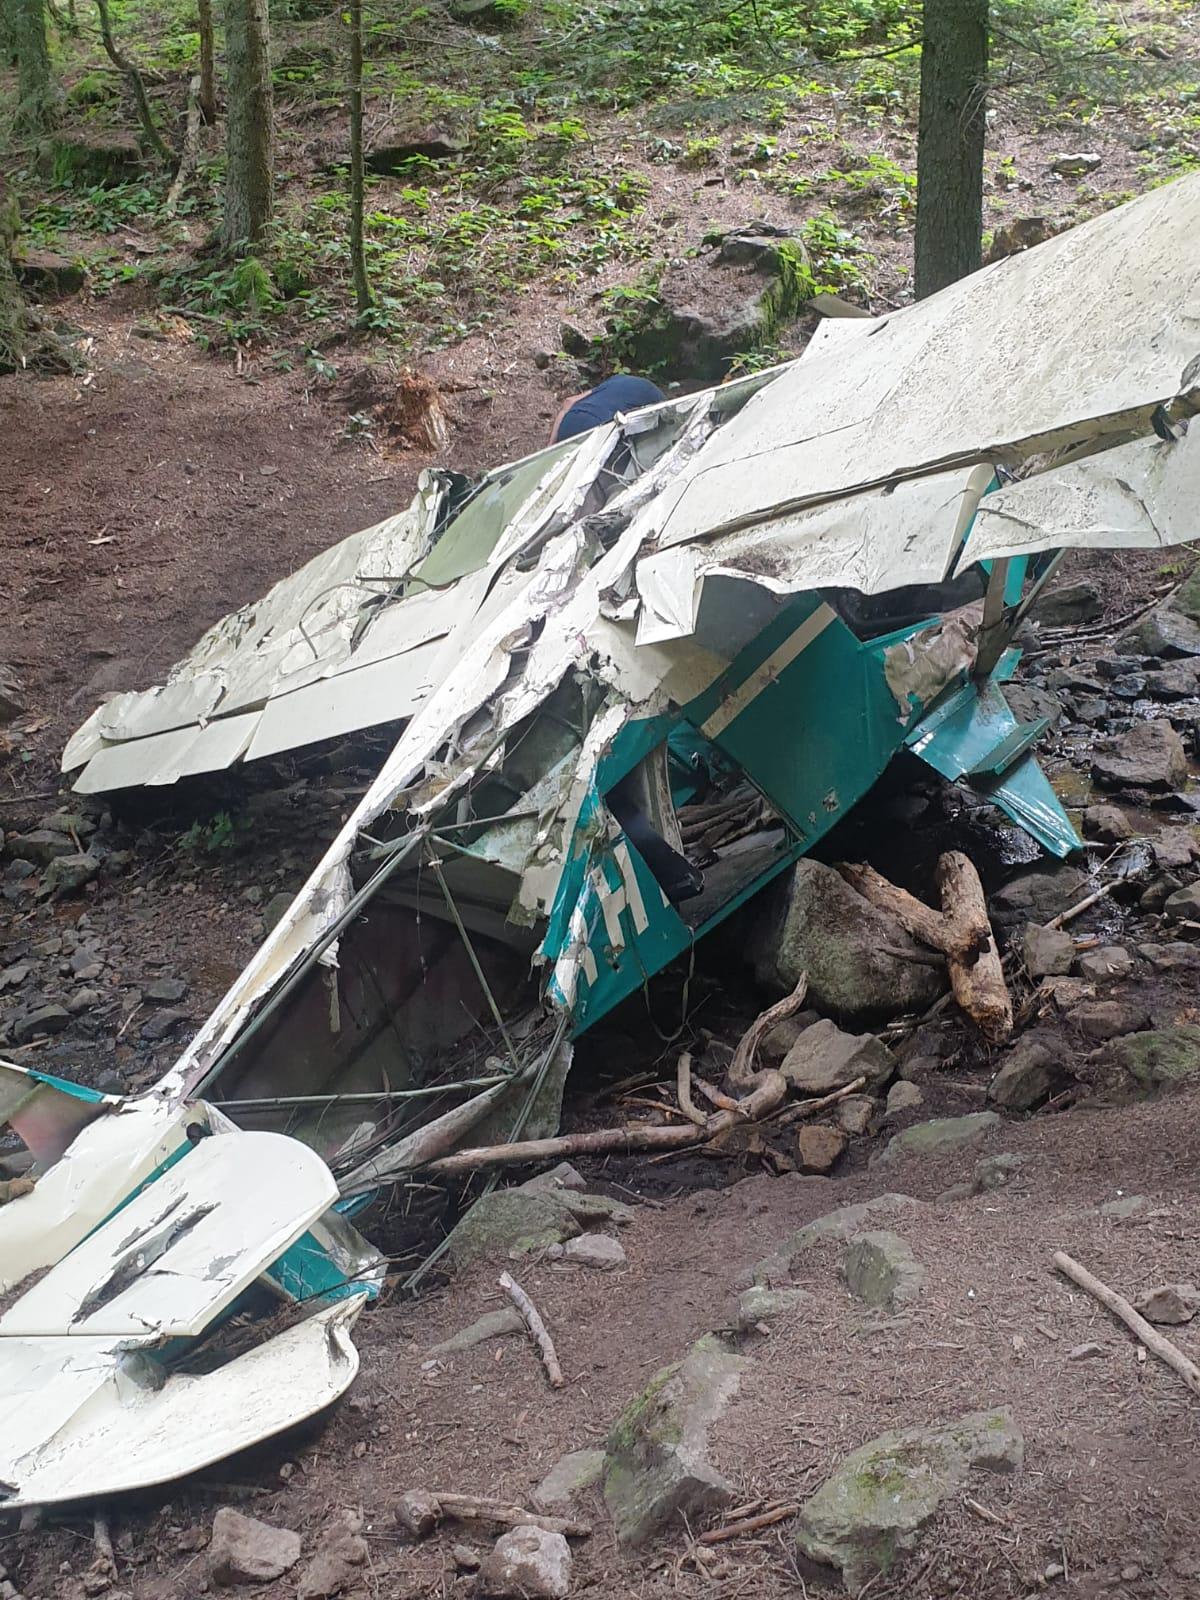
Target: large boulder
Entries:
(871, 1511)
(1171, 629)
(1148, 1063)
(510, 1222)
(812, 921)
(1040, 895)
(656, 1464)
(940, 1136)
(843, 1223)
(1150, 756)
(1067, 603)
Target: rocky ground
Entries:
(835, 1355)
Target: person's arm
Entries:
(567, 404)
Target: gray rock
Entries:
(1108, 962)
(881, 1270)
(757, 1305)
(1169, 1303)
(1165, 631)
(526, 1564)
(656, 1465)
(777, 1041)
(996, 1172)
(492, 1325)
(1027, 703)
(1126, 1206)
(81, 1000)
(244, 1550)
(596, 1250)
(1175, 956)
(12, 699)
(86, 964)
(820, 1147)
(1175, 849)
(1030, 1074)
(41, 846)
(274, 910)
(570, 1475)
(1150, 756)
(418, 1512)
(590, 1209)
(902, 1097)
(1099, 1020)
(1148, 1063)
(511, 1221)
(853, 1114)
(938, 1137)
(840, 1224)
(13, 977)
(1039, 896)
(1184, 904)
(1076, 165)
(872, 1509)
(812, 921)
(563, 1176)
(920, 1069)
(1047, 952)
(1065, 603)
(338, 1562)
(46, 1019)
(1107, 824)
(166, 991)
(1176, 680)
(162, 1025)
(824, 1058)
(69, 874)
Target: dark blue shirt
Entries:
(603, 403)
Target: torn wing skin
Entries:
(665, 656)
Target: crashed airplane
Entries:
(633, 678)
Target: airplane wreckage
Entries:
(740, 604)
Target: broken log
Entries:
(189, 157)
(1154, 1341)
(538, 1331)
(742, 1075)
(961, 930)
(683, 1090)
(419, 1510)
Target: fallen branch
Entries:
(1080, 906)
(538, 1331)
(735, 1530)
(741, 1069)
(420, 1511)
(683, 1089)
(1154, 1341)
(961, 931)
(190, 154)
(607, 1141)
(809, 1108)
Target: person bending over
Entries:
(595, 407)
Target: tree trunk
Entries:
(358, 259)
(208, 86)
(249, 171)
(954, 58)
(123, 64)
(34, 88)
(12, 305)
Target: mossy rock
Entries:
(510, 1222)
(656, 1466)
(871, 1510)
(88, 160)
(939, 1137)
(93, 89)
(1148, 1063)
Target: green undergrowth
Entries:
(567, 111)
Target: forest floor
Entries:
(159, 484)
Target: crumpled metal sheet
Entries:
(1135, 497)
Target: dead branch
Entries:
(962, 931)
(734, 1530)
(538, 1331)
(1080, 906)
(683, 1089)
(742, 1075)
(1154, 1341)
(714, 1096)
(190, 154)
(606, 1141)
(475, 1508)
(809, 1108)
(423, 1146)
